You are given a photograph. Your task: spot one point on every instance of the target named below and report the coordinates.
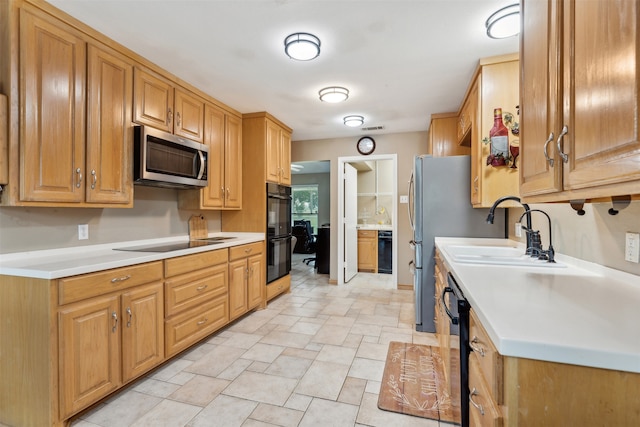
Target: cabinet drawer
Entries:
(189, 327)
(490, 361)
(483, 410)
(189, 263)
(192, 289)
(77, 288)
(278, 287)
(372, 234)
(244, 251)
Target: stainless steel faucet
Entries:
(528, 229)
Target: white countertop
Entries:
(585, 314)
(374, 227)
(56, 263)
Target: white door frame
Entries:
(394, 226)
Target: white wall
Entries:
(155, 214)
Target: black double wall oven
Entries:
(278, 231)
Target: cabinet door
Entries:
(285, 158)
(256, 281)
(214, 134)
(142, 330)
(153, 101)
(367, 252)
(600, 63)
(540, 110)
(189, 116)
(272, 152)
(52, 100)
(89, 349)
(233, 162)
(109, 133)
(237, 288)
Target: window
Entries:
(305, 204)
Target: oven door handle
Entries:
(446, 290)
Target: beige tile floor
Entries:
(313, 357)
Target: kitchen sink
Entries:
(496, 255)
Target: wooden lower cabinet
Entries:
(278, 287)
(106, 341)
(368, 250)
(246, 278)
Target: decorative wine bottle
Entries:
(499, 136)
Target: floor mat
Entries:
(415, 382)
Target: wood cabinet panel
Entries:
(52, 100)
(233, 162)
(189, 116)
(238, 272)
(109, 170)
(489, 360)
(256, 281)
(153, 101)
(142, 330)
(483, 410)
(189, 263)
(243, 251)
(192, 289)
(89, 352)
(76, 288)
(442, 136)
(192, 325)
(277, 287)
(368, 250)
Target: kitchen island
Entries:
(78, 324)
(567, 349)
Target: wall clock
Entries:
(366, 145)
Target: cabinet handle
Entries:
(475, 184)
(120, 279)
(114, 316)
(565, 130)
(475, 348)
(227, 196)
(248, 251)
(130, 314)
(201, 288)
(203, 321)
(479, 407)
(222, 190)
(94, 179)
(79, 175)
(178, 121)
(169, 116)
(546, 154)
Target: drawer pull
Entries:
(201, 288)
(202, 322)
(479, 407)
(248, 251)
(114, 316)
(130, 314)
(120, 279)
(476, 348)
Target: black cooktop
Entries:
(168, 247)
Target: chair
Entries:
(306, 241)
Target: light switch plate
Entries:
(83, 231)
(632, 247)
(518, 230)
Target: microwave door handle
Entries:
(202, 165)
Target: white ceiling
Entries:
(402, 60)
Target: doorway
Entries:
(377, 208)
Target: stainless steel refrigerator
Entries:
(440, 206)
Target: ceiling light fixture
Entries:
(504, 23)
(353, 121)
(302, 46)
(333, 94)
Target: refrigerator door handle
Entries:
(417, 286)
(411, 201)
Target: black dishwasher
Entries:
(385, 252)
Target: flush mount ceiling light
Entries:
(353, 121)
(504, 22)
(302, 46)
(333, 94)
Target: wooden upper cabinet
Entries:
(158, 103)
(580, 73)
(223, 135)
(278, 154)
(442, 135)
(109, 133)
(52, 102)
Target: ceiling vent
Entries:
(370, 128)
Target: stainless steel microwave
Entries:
(165, 160)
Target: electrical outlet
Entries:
(83, 231)
(518, 230)
(404, 199)
(632, 247)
